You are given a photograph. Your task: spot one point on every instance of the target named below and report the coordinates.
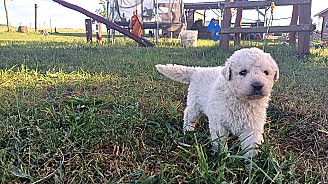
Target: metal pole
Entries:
(107, 17)
(50, 27)
(157, 24)
(142, 12)
(112, 7)
(36, 17)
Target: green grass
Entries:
(73, 112)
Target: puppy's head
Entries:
(251, 72)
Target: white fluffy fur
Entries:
(233, 97)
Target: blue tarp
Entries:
(216, 28)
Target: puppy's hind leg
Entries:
(190, 118)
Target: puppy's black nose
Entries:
(257, 86)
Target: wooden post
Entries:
(226, 22)
(88, 30)
(35, 17)
(295, 15)
(142, 12)
(304, 37)
(238, 24)
(322, 27)
(99, 33)
(7, 18)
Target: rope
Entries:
(131, 5)
(273, 7)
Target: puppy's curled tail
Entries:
(176, 72)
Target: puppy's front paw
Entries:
(188, 129)
(252, 153)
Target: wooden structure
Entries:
(217, 8)
(303, 28)
(99, 32)
(192, 16)
(165, 15)
(202, 6)
(140, 40)
(324, 28)
(88, 30)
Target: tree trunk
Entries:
(6, 10)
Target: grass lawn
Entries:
(72, 112)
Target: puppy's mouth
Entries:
(256, 95)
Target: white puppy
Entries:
(233, 97)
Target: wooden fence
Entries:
(301, 12)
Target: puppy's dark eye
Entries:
(266, 72)
(243, 72)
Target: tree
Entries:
(102, 11)
(6, 10)
(148, 14)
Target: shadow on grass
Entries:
(83, 34)
(71, 34)
(297, 132)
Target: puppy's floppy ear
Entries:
(226, 71)
(276, 75)
(274, 67)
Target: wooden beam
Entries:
(237, 37)
(322, 27)
(304, 37)
(294, 20)
(252, 4)
(226, 23)
(99, 33)
(88, 30)
(202, 6)
(272, 29)
(258, 11)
